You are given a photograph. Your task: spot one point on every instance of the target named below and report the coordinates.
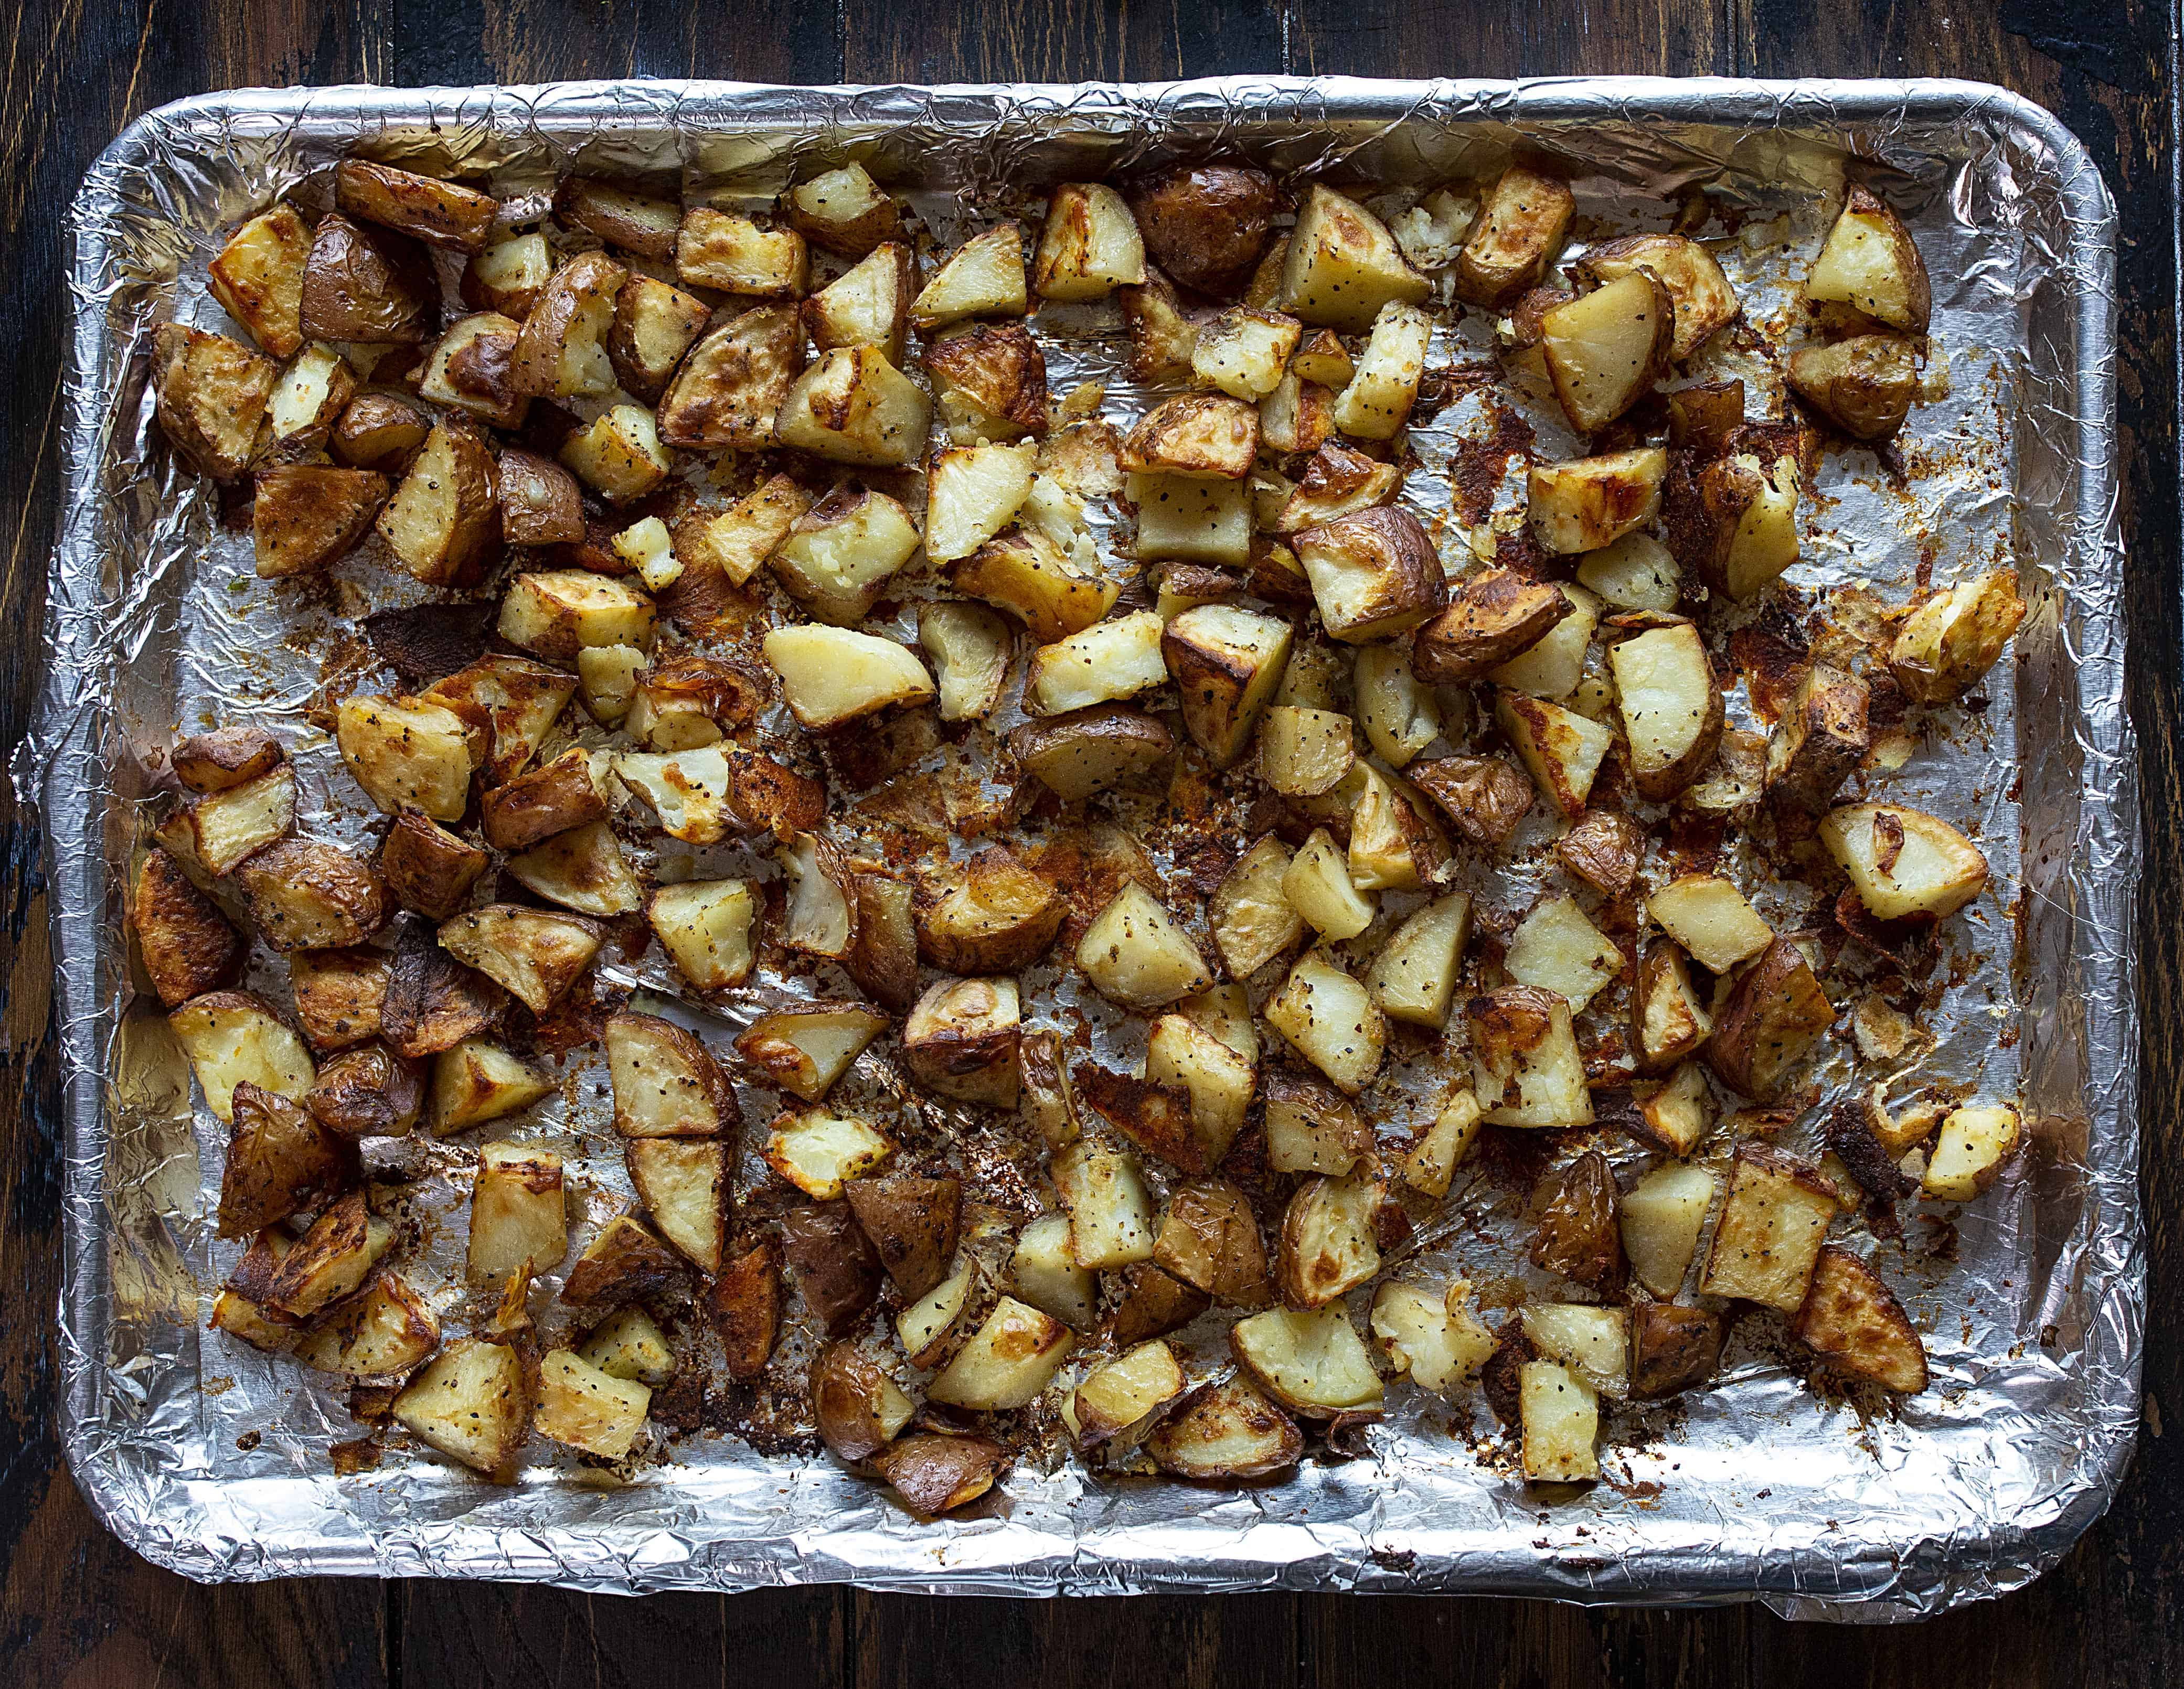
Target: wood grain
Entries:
(76, 1607)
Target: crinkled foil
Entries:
(211, 1460)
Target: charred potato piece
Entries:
(564, 794)
(730, 389)
(1195, 434)
(622, 1263)
(1732, 522)
(443, 213)
(959, 1041)
(1870, 263)
(618, 215)
(1150, 1305)
(1578, 1234)
(212, 393)
(259, 278)
(744, 1303)
(536, 954)
(883, 956)
(1776, 1012)
(1669, 1020)
(339, 993)
(306, 895)
(855, 407)
(1226, 663)
(1602, 849)
(1526, 1066)
(1027, 575)
(1207, 224)
(991, 915)
(1865, 384)
(366, 1093)
(305, 516)
(331, 1260)
(1521, 220)
(1491, 617)
(1820, 739)
(1703, 300)
(1157, 1118)
(840, 554)
(1374, 573)
(387, 1332)
(912, 1223)
(370, 285)
(989, 380)
(1853, 1322)
(1591, 502)
(188, 947)
(425, 867)
(1338, 481)
(280, 1160)
(434, 1002)
(1562, 749)
(229, 757)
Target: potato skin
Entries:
(226, 758)
(188, 946)
(845, 1379)
(442, 213)
(911, 1221)
(933, 1473)
(1671, 1349)
(998, 367)
(1578, 1234)
(367, 285)
(1772, 1015)
(1864, 385)
(1486, 796)
(307, 515)
(1490, 617)
(427, 867)
(745, 1302)
(835, 1266)
(1205, 225)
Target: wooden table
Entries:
(76, 1607)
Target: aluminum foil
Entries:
(213, 1460)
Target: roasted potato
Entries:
(1227, 1434)
(1562, 749)
(683, 1183)
(473, 1404)
(1243, 352)
(666, 1084)
(1136, 955)
(433, 1001)
(1210, 1240)
(536, 954)
(1865, 384)
(1578, 1234)
(425, 867)
(704, 926)
(855, 407)
(1605, 350)
(833, 1264)
(624, 1262)
(913, 1223)
(653, 326)
(1772, 1226)
(1973, 1146)
(1733, 522)
(1704, 301)
(1150, 1304)
(620, 214)
(1327, 1247)
(983, 277)
(1819, 740)
(844, 210)
(1198, 435)
(442, 214)
(280, 1160)
(1852, 1321)
(1110, 1218)
(1331, 1020)
(518, 1220)
(475, 1081)
(257, 278)
(1485, 796)
(744, 1303)
(1343, 266)
(1904, 862)
(508, 275)
(731, 387)
(1557, 949)
(226, 758)
(1776, 1012)
(339, 993)
(1671, 707)
(370, 285)
(188, 946)
(1207, 224)
(959, 1041)
(1945, 646)
(819, 1151)
(305, 516)
(1164, 339)
(1338, 481)
(803, 1051)
(1192, 519)
(231, 1037)
(1591, 502)
(1521, 220)
(1374, 573)
(308, 895)
(934, 1473)
(588, 1410)
(723, 249)
(1870, 263)
(443, 523)
(1226, 662)
(839, 555)
(1491, 617)
(857, 1408)
(331, 1260)
(212, 392)
(1526, 1067)
(1090, 245)
(1313, 1362)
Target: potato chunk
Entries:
(731, 387)
(1949, 643)
(1492, 616)
(1591, 502)
(584, 1408)
(1976, 1143)
(868, 305)
(818, 1151)
(855, 407)
(803, 1051)
(1189, 519)
(1331, 1020)
(840, 554)
(1135, 954)
(1871, 263)
(666, 1082)
(1771, 1231)
(960, 1040)
(1343, 266)
(1197, 435)
(1226, 662)
(1662, 1216)
(833, 675)
(1865, 384)
(518, 1222)
(259, 278)
(1561, 750)
(704, 926)
(1243, 352)
(471, 1404)
(558, 613)
(1903, 861)
(443, 523)
(983, 277)
(992, 916)
(1557, 949)
(187, 942)
(1605, 350)
(1559, 1415)
(1671, 707)
(1704, 301)
(1312, 1362)
(1090, 245)
(475, 1081)
(1112, 660)
(1089, 751)
(974, 494)
(844, 210)
(1374, 573)
(536, 954)
(306, 517)
(1521, 220)
(1007, 1361)
(1527, 1069)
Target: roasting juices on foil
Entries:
(1234, 835)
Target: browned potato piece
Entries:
(1671, 1349)
(934, 1474)
(1341, 265)
(1588, 504)
(883, 956)
(1162, 338)
(443, 523)
(1776, 1012)
(844, 210)
(1373, 573)
(623, 1262)
(368, 1092)
(188, 946)
(912, 1223)
(991, 376)
(473, 1404)
(305, 895)
(835, 1267)
(562, 351)
(723, 249)
(620, 215)
(1024, 574)
(666, 1084)
(683, 1183)
(744, 1303)
(1602, 849)
(1521, 220)
(434, 1002)
(1704, 301)
(731, 384)
(1865, 384)
(1605, 350)
(1820, 738)
(1486, 796)
(960, 1040)
(1157, 1119)
(425, 867)
(1326, 1245)
(653, 326)
(1210, 1240)
(508, 275)
(440, 213)
(855, 1405)
(855, 407)
(990, 915)
(1197, 434)
(212, 394)
(1871, 263)
(1491, 617)
(1852, 1321)
(1228, 1434)
(280, 1160)
(259, 278)
(562, 795)
(540, 502)
(331, 1260)
(379, 430)
(1088, 750)
(1946, 645)
(805, 1050)
(536, 954)
(1206, 224)
(1150, 1305)
(228, 757)
(1579, 1235)
(869, 305)
(223, 827)
(370, 285)
(383, 1334)
(306, 516)
(1772, 1227)
(339, 993)
(1668, 1021)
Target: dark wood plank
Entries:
(1454, 38)
(75, 1606)
(938, 41)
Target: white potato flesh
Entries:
(1558, 950)
(1662, 1215)
(1710, 918)
(1112, 660)
(1552, 666)
(1636, 572)
(1935, 871)
(831, 675)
